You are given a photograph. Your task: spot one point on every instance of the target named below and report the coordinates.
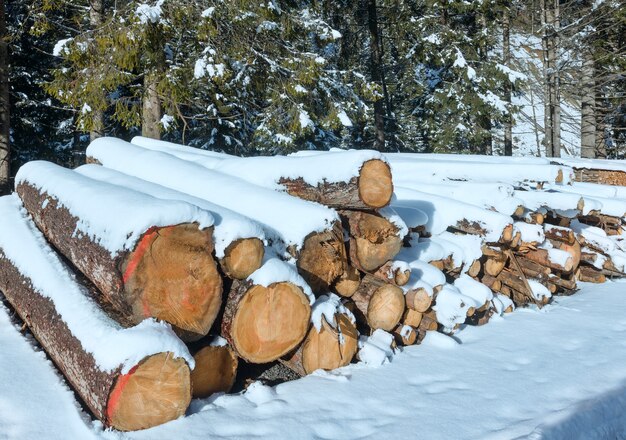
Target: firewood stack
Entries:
(162, 243)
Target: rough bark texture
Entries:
(550, 42)
(151, 114)
(100, 390)
(587, 109)
(373, 239)
(541, 256)
(263, 324)
(171, 274)
(5, 143)
(379, 304)
(376, 69)
(372, 189)
(506, 59)
(322, 259)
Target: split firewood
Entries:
(365, 183)
(144, 266)
(238, 240)
(474, 268)
(306, 231)
(263, 323)
(326, 348)
(374, 240)
(215, 370)
(129, 379)
(380, 305)
(396, 272)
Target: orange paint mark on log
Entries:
(118, 389)
(140, 251)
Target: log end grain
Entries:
(348, 283)
(215, 371)
(172, 275)
(331, 347)
(418, 299)
(242, 257)
(270, 322)
(375, 183)
(386, 307)
(323, 258)
(154, 392)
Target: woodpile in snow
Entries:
(270, 268)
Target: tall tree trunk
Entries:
(550, 22)
(506, 60)
(587, 111)
(96, 17)
(600, 147)
(151, 115)
(5, 141)
(376, 73)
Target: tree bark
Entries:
(155, 391)
(5, 141)
(587, 110)
(550, 42)
(376, 70)
(151, 115)
(136, 285)
(506, 59)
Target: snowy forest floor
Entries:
(556, 373)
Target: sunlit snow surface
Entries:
(558, 373)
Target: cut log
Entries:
(322, 259)
(348, 282)
(145, 393)
(474, 268)
(573, 249)
(215, 371)
(326, 349)
(428, 323)
(516, 283)
(380, 305)
(412, 318)
(418, 299)
(591, 275)
(558, 233)
(238, 239)
(531, 267)
(494, 266)
(170, 274)
(373, 239)
(263, 324)
(394, 272)
(405, 335)
(491, 282)
(542, 256)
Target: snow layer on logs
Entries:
(608, 205)
(451, 307)
(158, 145)
(597, 189)
(110, 345)
(278, 271)
(591, 164)
(376, 349)
(266, 171)
(469, 287)
(530, 232)
(412, 217)
(443, 212)
(289, 218)
(229, 225)
(111, 216)
(326, 307)
(495, 196)
(535, 200)
(441, 170)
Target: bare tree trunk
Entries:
(376, 72)
(96, 17)
(587, 111)
(151, 115)
(506, 59)
(550, 22)
(5, 141)
(600, 147)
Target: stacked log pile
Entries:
(281, 266)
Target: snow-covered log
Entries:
(267, 315)
(444, 213)
(553, 258)
(394, 271)
(148, 257)
(374, 240)
(215, 369)
(307, 231)
(238, 239)
(347, 180)
(332, 340)
(405, 335)
(607, 172)
(380, 305)
(130, 379)
(567, 205)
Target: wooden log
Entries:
(412, 318)
(380, 305)
(558, 233)
(373, 239)
(372, 188)
(474, 268)
(238, 257)
(329, 348)
(418, 299)
(428, 322)
(516, 283)
(439, 264)
(215, 371)
(170, 274)
(588, 256)
(392, 272)
(405, 335)
(263, 324)
(591, 275)
(322, 259)
(153, 391)
(348, 282)
(573, 249)
(542, 257)
(492, 282)
(493, 266)
(531, 266)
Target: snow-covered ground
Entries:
(558, 373)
